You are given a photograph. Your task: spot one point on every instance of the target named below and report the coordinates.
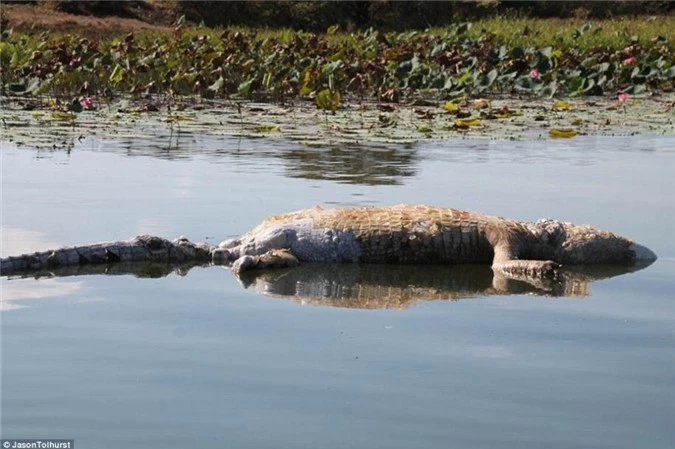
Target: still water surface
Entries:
(196, 360)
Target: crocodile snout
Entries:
(642, 252)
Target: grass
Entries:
(614, 34)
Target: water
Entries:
(196, 360)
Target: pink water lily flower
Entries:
(630, 60)
(87, 102)
(534, 74)
(75, 61)
(622, 97)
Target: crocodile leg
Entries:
(507, 264)
(276, 258)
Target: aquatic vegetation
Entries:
(328, 100)
(370, 86)
(452, 63)
(562, 133)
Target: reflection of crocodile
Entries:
(146, 270)
(401, 234)
(371, 286)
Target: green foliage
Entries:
(392, 15)
(328, 100)
(452, 62)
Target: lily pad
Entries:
(176, 118)
(451, 107)
(561, 105)
(562, 133)
(328, 100)
(61, 116)
(466, 123)
(267, 129)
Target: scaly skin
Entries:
(144, 248)
(410, 234)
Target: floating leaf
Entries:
(176, 118)
(561, 105)
(327, 100)
(562, 133)
(267, 129)
(424, 129)
(61, 116)
(451, 107)
(503, 112)
(466, 123)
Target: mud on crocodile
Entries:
(403, 234)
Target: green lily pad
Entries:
(327, 100)
(61, 116)
(562, 133)
(267, 129)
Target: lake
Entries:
(194, 359)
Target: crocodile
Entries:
(418, 234)
(402, 234)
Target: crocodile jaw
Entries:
(642, 252)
